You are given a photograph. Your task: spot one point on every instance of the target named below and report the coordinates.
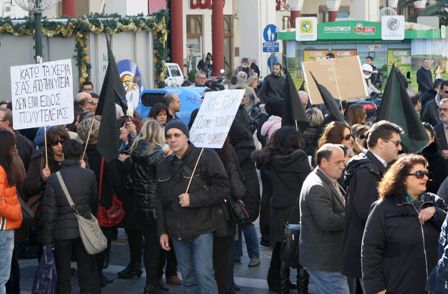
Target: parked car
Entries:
(190, 98)
(175, 76)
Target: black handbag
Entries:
(27, 213)
(290, 245)
(235, 211)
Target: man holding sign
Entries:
(188, 207)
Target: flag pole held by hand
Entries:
(46, 147)
(88, 137)
(194, 169)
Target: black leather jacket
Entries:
(143, 173)
(207, 191)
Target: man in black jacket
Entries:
(362, 175)
(273, 84)
(424, 76)
(428, 98)
(188, 209)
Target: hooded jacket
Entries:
(287, 174)
(271, 125)
(362, 174)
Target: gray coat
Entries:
(322, 220)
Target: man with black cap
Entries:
(187, 211)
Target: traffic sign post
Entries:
(270, 43)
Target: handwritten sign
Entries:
(42, 94)
(215, 117)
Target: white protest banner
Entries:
(42, 94)
(215, 117)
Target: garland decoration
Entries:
(81, 28)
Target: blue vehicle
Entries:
(190, 99)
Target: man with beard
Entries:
(273, 84)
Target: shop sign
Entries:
(392, 27)
(349, 30)
(306, 28)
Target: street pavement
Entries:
(251, 280)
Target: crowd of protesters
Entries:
(372, 217)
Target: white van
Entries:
(175, 78)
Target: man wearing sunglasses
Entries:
(188, 209)
(362, 175)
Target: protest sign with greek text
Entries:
(215, 117)
(42, 94)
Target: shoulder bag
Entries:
(92, 237)
(112, 216)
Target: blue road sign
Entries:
(270, 43)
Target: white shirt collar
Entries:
(383, 162)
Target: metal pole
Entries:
(38, 36)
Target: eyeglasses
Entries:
(443, 109)
(347, 137)
(397, 143)
(176, 135)
(57, 142)
(420, 174)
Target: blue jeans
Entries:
(328, 282)
(250, 235)
(6, 248)
(195, 261)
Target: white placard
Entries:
(306, 28)
(392, 27)
(42, 94)
(215, 117)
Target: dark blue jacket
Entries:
(438, 279)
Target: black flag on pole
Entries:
(112, 92)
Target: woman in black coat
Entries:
(287, 167)
(60, 227)
(400, 242)
(146, 154)
(438, 170)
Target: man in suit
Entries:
(322, 206)
(362, 175)
(442, 128)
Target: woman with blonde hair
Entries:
(146, 154)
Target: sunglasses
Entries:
(420, 174)
(362, 137)
(347, 137)
(397, 143)
(58, 142)
(176, 135)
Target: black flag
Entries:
(112, 92)
(396, 107)
(293, 112)
(330, 103)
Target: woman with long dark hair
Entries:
(39, 172)
(10, 209)
(287, 167)
(400, 242)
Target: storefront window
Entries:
(194, 40)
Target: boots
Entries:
(152, 282)
(130, 271)
(284, 279)
(302, 280)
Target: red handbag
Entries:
(112, 216)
